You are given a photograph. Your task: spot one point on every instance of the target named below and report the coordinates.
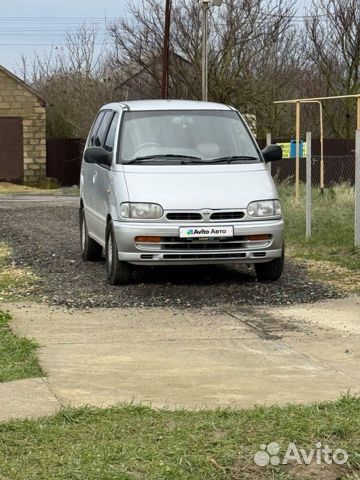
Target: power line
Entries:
(35, 29)
(289, 15)
(32, 34)
(104, 19)
(58, 18)
(57, 45)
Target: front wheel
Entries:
(270, 271)
(117, 272)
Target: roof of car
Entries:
(143, 105)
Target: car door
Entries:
(105, 139)
(87, 175)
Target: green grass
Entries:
(17, 355)
(333, 225)
(140, 443)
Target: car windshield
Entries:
(185, 137)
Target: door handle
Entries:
(108, 191)
(94, 177)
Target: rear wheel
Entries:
(117, 272)
(270, 271)
(90, 250)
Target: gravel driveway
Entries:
(43, 232)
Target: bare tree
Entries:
(74, 80)
(252, 44)
(334, 38)
(259, 52)
(137, 47)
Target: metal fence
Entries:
(339, 162)
(337, 169)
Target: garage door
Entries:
(11, 149)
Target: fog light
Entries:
(147, 239)
(259, 237)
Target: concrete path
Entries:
(28, 398)
(186, 358)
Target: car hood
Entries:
(198, 186)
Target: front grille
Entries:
(184, 216)
(227, 216)
(198, 216)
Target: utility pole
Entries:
(297, 154)
(204, 63)
(165, 71)
(206, 4)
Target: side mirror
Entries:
(272, 153)
(98, 155)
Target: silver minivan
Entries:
(178, 183)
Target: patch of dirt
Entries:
(266, 325)
(317, 471)
(341, 278)
(45, 236)
(247, 471)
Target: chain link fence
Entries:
(338, 169)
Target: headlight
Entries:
(264, 208)
(141, 210)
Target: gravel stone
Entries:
(45, 236)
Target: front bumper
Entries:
(173, 251)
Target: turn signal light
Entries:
(147, 239)
(259, 237)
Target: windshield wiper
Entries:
(229, 159)
(155, 157)
(234, 158)
(186, 159)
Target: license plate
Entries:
(206, 232)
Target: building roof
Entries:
(23, 84)
(151, 105)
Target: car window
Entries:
(95, 127)
(110, 138)
(103, 129)
(206, 134)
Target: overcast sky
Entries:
(34, 25)
(28, 26)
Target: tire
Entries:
(117, 272)
(90, 250)
(270, 271)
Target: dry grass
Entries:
(337, 276)
(6, 187)
(12, 189)
(14, 281)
